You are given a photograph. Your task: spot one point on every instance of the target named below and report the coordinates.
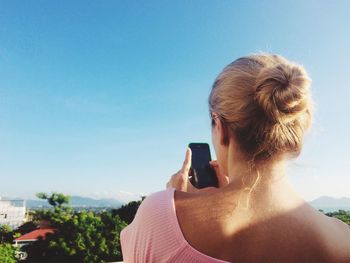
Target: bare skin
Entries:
(269, 231)
(254, 220)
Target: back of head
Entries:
(264, 102)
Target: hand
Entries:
(223, 180)
(180, 180)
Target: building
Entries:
(12, 212)
(33, 236)
(28, 238)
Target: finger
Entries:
(181, 181)
(214, 163)
(217, 170)
(187, 163)
(172, 180)
(222, 179)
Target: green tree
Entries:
(60, 212)
(55, 199)
(7, 250)
(7, 253)
(6, 235)
(79, 237)
(127, 212)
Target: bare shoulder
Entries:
(342, 229)
(339, 239)
(299, 235)
(333, 236)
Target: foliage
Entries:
(79, 237)
(341, 215)
(55, 199)
(6, 234)
(127, 212)
(82, 236)
(7, 253)
(60, 212)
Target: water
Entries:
(328, 209)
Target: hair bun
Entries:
(282, 91)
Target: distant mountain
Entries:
(86, 201)
(331, 201)
(78, 201)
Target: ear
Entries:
(221, 130)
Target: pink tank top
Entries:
(155, 234)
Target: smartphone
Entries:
(201, 173)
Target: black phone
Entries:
(201, 173)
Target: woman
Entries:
(260, 107)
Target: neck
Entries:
(239, 168)
(260, 185)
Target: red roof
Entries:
(34, 235)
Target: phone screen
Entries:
(202, 174)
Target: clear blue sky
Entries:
(100, 98)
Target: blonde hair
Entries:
(264, 102)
